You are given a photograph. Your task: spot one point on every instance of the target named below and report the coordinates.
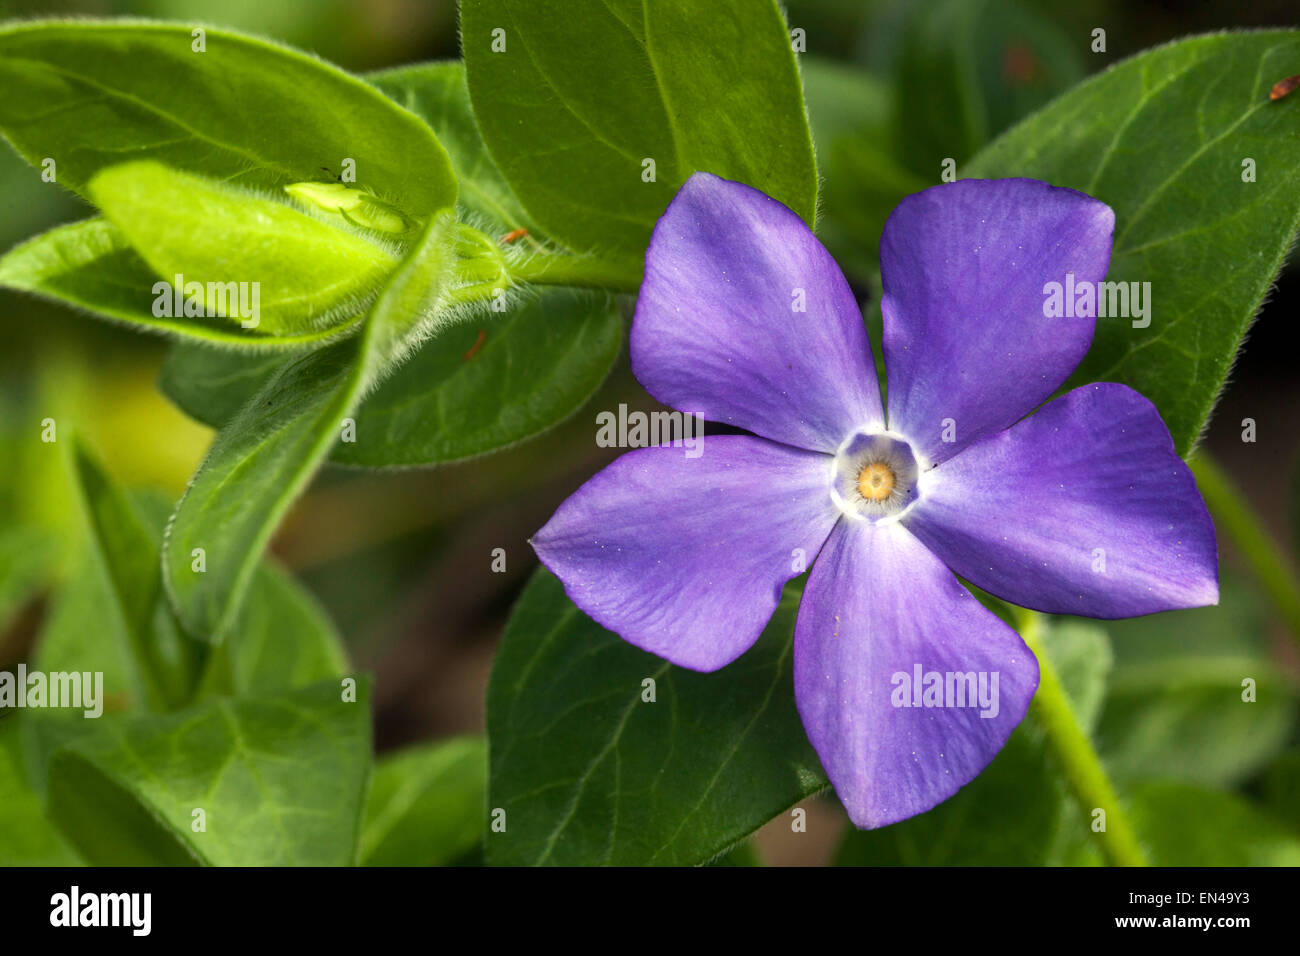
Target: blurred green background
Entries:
(401, 559)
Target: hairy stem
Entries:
(1232, 515)
(1084, 773)
(582, 271)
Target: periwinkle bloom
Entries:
(1082, 507)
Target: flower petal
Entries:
(716, 331)
(685, 558)
(879, 605)
(1082, 508)
(964, 267)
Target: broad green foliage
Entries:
(457, 396)
(1190, 826)
(1162, 139)
(482, 386)
(110, 616)
(25, 210)
(690, 86)
(90, 265)
(1186, 825)
(282, 640)
(211, 385)
(27, 556)
(256, 467)
(742, 854)
(437, 93)
(1175, 707)
(426, 805)
(285, 770)
(588, 771)
(264, 457)
(475, 388)
(245, 111)
(29, 839)
(307, 274)
(280, 781)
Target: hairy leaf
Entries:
(265, 456)
(90, 265)
(688, 86)
(258, 262)
(438, 94)
(88, 93)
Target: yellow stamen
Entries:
(876, 481)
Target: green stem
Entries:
(584, 271)
(1233, 516)
(1084, 773)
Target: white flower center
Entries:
(874, 476)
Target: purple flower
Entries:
(1081, 508)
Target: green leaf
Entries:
(693, 87)
(234, 245)
(252, 113)
(265, 456)
(211, 385)
(475, 388)
(1012, 813)
(1007, 816)
(281, 781)
(283, 640)
(256, 467)
(1186, 825)
(426, 805)
(27, 558)
(438, 94)
(588, 772)
(743, 854)
(110, 615)
(534, 366)
(483, 386)
(1172, 819)
(1161, 138)
(90, 265)
(968, 69)
(29, 838)
(1175, 708)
